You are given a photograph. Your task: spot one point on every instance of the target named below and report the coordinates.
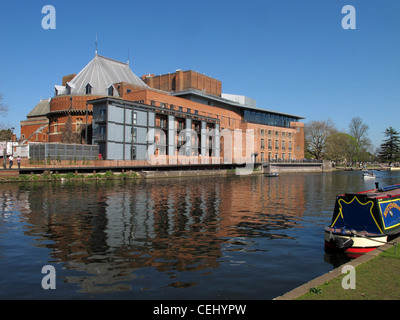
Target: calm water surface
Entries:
(239, 237)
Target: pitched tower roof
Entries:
(100, 74)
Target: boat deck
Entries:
(380, 193)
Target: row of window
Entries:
(276, 145)
(89, 89)
(276, 156)
(78, 124)
(276, 133)
(269, 119)
(171, 107)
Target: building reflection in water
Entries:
(111, 231)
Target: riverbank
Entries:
(50, 176)
(110, 175)
(376, 278)
(370, 168)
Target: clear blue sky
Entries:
(292, 56)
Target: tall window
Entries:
(110, 90)
(134, 134)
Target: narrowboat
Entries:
(363, 221)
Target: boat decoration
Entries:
(363, 221)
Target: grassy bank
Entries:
(49, 176)
(376, 279)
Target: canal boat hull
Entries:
(364, 221)
(352, 245)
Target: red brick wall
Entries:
(231, 119)
(183, 80)
(28, 127)
(77, 104)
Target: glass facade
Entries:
(270, 119)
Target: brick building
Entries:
(96, 79)
(179, 100)
(36, 126)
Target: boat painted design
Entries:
(363, 221)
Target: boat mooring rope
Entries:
(354, 233)
(384, 242)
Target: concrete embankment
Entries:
(183, 173)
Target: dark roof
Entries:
(41, 109)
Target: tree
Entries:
(359, 131)
(341, 147)
(5, 134)
(390, 149)
(316, 136)
(3, 107)
(68, 134)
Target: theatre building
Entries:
(180, 113)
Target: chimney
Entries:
(67, 79)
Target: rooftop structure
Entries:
(98, 78)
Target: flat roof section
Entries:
(231, 103)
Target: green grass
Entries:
(48, 176)
(377, 279)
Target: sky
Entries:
(291, 56)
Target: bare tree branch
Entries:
(3, 107)
(316, 136)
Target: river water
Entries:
(237, 237)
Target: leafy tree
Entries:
(390, 149)
(5, 134)
(341, 147)
(316, 137)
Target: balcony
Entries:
(99, 137)
(100, 118)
